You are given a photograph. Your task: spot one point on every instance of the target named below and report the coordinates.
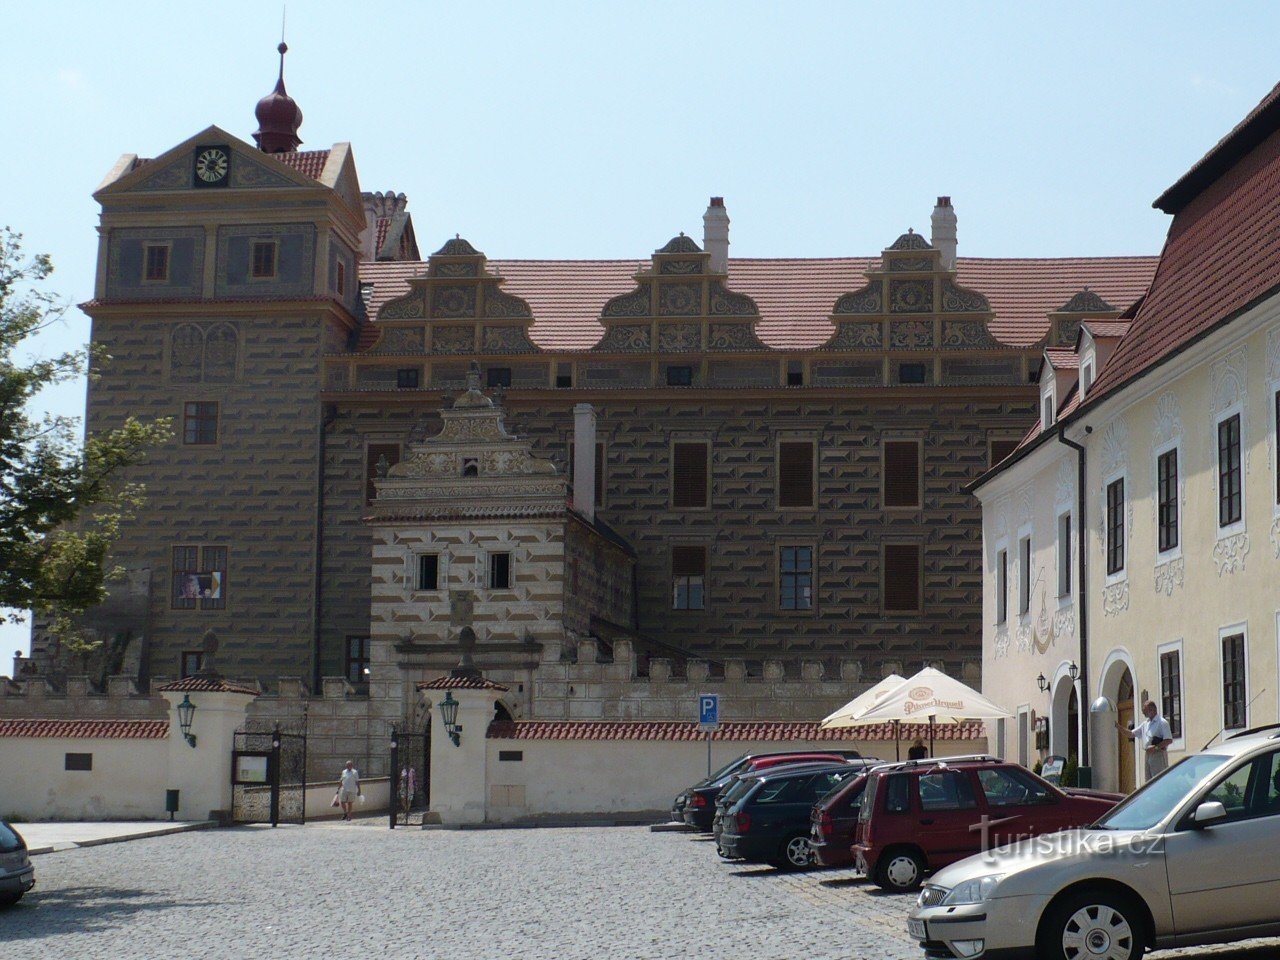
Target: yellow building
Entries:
(1160, 579)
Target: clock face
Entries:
(212, 164)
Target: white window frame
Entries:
(1065, 552)
(1123, 573)
(1241, 525)
(1086, 374)
(486, 571)
(1002, 589)
(1176, 646)
(1241, 627)
(1048, 409)
(1024, 575)
(1175, 444)
(1025, 741)
(441, 571)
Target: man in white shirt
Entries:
(348, 788)
(1155, 734)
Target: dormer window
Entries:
(1046, 411)
(1086, 376)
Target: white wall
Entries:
(127, 781)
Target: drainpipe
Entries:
(330, 415)
(1085, 775)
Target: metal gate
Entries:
(410, 777)
(269, 777)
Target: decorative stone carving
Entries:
(966, 335)
(1024, 636)
(911, 296)
(1168, 420)
(1227, 377)
(732, 336)
(1064, 622)
(910, 334)
(726, 303)
(1025, 500)
(679, 337)
(1115, 447)
(1273, 354)
(1115, 598)
(220, 354)
(1065, 486)
(400, 340)
(1065, 333)
(1001, 648)
(679, 300)
(680, 244)
(186, 355)
(457, 247)
(1086, 301)
(245, 173)
(498, 304)
(450, 300)
(455, 270)
(1229, 553)
(453, 339)
(506, 340)
(624, 338)
(910, 241)
(862, 335)
(633, 304)
(958, 299)
(1169, 575)
(412, 306)
(866, 300)
(910, 264)
(176, 176)
(1275, 536)
(680, 267)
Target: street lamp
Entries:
(449, 713)
(1042, 683)
(1073, 671)
(185, 711)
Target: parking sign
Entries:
(708, 710)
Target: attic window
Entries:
(157, 263)
(1086, 376)
(264, 259)
(1046, 411)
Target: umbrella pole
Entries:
(897, 742)
(931, 734)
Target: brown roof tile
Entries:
(1107, 328)
(795, 296)
(1063, 359)
(198, 684)
(1222, 255)
(733, 730)
(461, 683)
(309, 163)
(87, 729)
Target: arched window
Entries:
(220, 354)
(186, 358)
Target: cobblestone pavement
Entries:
(354, 890)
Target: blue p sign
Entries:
(709, 708)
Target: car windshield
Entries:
(9, 841)
(1154, 801)
(735, 790)
(730, 767)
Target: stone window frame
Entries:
(1026, 561)
(671, 473)
(1064, 553)
(263, 243)
(811, 543)
(349, 661)
(1239, 526)
(812, 443)
(201, 417)
(1109, 523)
(1241, 630)
(884, 474)
(1162, 650)
(486, 558)
(203, 564)
(671, 578)
(204, 328)
(1174, 446)
(1002, 583)
(418, 557)
(147, 247)
(919, 545)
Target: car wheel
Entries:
(1097, 926)
(794, 854)
(899, 871)
(9, 899)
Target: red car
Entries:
(833, 821)
(920, 816)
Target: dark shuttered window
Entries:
(901, 473)
(1234, 682)
(902, 577)
(795, 473)
(688, 575)
(1171, 690)
(689, 474)
(1115, 526)
(795, 578)
(1167, 500)
(1230, 501)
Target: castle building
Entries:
(712, 468)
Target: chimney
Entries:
(584, 460)
(944, 232)
(715, 235)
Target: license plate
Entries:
(916, 929)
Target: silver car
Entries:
(1191, 858)
(17, 876)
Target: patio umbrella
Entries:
(847, 715)
(931, 693)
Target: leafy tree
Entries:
(61, 505)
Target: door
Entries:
(1124, 746)
(1018, 805)
(1226, 874)
(948, 809)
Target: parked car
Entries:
(1190, 858)
(699, 804)
(920, 816)
(770, 822)
(740, 783)
(832, 822)
(17, 875)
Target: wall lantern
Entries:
(185, 711)
(1073, 671)
(1042, 683)
(449, 713)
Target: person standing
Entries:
(348, 788)
(1155, 734)
(918, 751)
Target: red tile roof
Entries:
(199, 684)
(309, 163)
(87, 729)
(1063, 359)
(795, 296)
(735, 730)
(380, 227)
(461, 683)
(1222, 255)
(1107, 328)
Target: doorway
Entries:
(1127, 778)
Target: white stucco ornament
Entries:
(1229, 553)
(1169, 575)
(1115, 598)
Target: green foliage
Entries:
(1071, 772)
(61, 506)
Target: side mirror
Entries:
(1208, 812)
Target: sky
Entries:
(599, 129)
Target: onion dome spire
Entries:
(279, 116)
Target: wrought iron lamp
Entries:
(1042, 683)
(1073, 671)
(449, 713)
(186, 709)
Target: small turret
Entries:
(279, 116)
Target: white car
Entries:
(1191, 858)
(17, 875)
